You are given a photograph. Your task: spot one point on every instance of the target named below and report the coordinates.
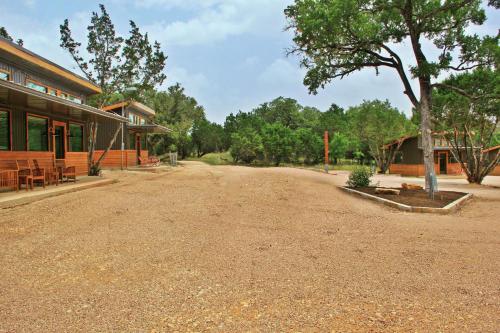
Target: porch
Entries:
(11, 199)
(39, 126)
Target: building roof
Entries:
(42, 99)
(491, 149)
(37, 60)
(149, 128)
(133, 104)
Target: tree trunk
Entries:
(426, 130)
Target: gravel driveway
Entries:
(234, 249)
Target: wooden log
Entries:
(412, 187)
(380, 190)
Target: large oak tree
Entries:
(338, 37)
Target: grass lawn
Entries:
(226, 159)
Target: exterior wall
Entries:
(18, 116)
(113, 158)
(21, 73)
(79, 161)
(105, 131)
(411, 153)
(418, 170)
(496, 171)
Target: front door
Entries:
(443, 163)
(138, 147)
(60, 140)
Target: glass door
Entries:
(60, 140)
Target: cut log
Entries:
(380, 190)
(412, 187)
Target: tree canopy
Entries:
(335, 38)
(132, 65)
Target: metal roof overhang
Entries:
(15, 94)
(149, 128)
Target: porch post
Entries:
(123, 143)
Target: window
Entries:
(52, 92)
(398, 159)
(74, 99)
(4, 75)
(75, 137)
(4, 130)
(38, 129)
(131, 118)
(37, 87)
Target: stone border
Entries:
(20, 198)
(450, 208)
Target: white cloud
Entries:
(281, 73)
(215, 20)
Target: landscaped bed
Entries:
(416, 198)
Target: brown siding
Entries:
(105, 131)
(20, 73)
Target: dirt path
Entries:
(241, 249)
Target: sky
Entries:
(228, 54)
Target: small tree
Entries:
(246, 146)
(113, 64)
(376, 123)
(279, 142)
(339, 37)
(467, 110)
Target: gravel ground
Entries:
(233, 249)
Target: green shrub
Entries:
(360, 177)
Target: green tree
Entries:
(309, 145)
(279, 142)
(285, 111)
(179, 112)
(338, 37)
(339, 146)
(207, 137)
(467, 110)
(246, 146)
(376, 123)
(6, 35)
(139, 65)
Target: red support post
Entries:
(326, 151)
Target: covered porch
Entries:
(38, 126)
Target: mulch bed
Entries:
(417, 198)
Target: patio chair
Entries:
(38, 173)
(49, 166)
(66, 171)
(25, 175)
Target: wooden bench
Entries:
(149, 162)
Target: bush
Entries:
(246, 146)
(360, 177)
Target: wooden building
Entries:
(409, 159)
(43, 114)
(133, 136)
(492, 153)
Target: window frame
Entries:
(59, 92)
(27, 131)
(9, 114)
(8, 72)
(82, 125)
